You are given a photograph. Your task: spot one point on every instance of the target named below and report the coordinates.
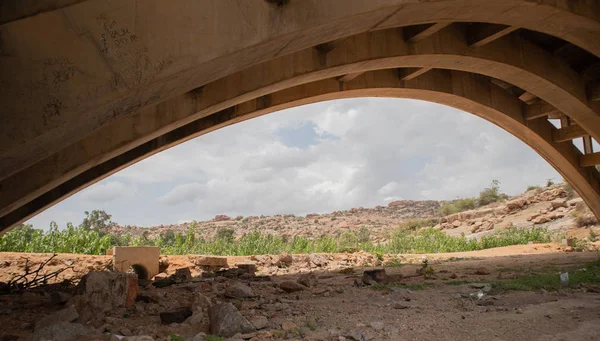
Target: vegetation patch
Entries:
(587, 274)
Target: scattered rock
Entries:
(138, 338)
(248, 268)
(317, 260)
(226, 320)
(541, 219)
(377, 325)
(482, 271)
(62, 316)
(259, 322)
(222, 217)
(239, 290)
(182, 275)
(60, 297)
(178, 315)
(556, 203)
(371, 277)
(199, 337)
(63, 332)
(456, 223)
(291, 286)
(285, 261)
(308, 279)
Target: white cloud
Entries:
(383, 150)
(103, 192)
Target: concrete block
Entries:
(143, 260)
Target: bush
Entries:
(532, 188)
(583, 220)
(456, 206)
(225, 234)
(418, 223)
(490, 194)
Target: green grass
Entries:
(589, 273)
(428, 240)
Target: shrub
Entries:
(456, 206)
(532, 188)
(225, 234)
(415, 224)
(583, 220)
(567, 187)
(490, 194)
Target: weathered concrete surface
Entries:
(89, 87)
(102, 291)
(143, 259)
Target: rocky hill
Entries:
(555, 207)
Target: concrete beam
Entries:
(590, 160)
(479, 34)
(538, 110)
(100, 80)
(464, 91)
(512, 60)
(349, 77)
(413, 34)
(594, 92)
(407, 74)
(569, 133)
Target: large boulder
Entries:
(226, 321)
(104, 291)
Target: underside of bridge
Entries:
(90, 87)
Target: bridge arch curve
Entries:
(440, 61)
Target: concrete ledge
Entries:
(143, 260)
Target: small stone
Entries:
(400, 306)
(62, 316)
(125, 332)
(371, 277)
(226, 320)
(63, 331)
(482, 271)
(196, 318)
(182, 275)
(199, 337)
(59, 297)
(175, 316)
(308, 280)
(377, 325)
(138, 338)
(239, 290)
(291, 286)
(259, 322)
(288, 325)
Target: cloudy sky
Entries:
(316, 158)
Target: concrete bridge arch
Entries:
(514, 63)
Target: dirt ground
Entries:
(407, 307)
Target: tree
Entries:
(490, 194)
(98, 221)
